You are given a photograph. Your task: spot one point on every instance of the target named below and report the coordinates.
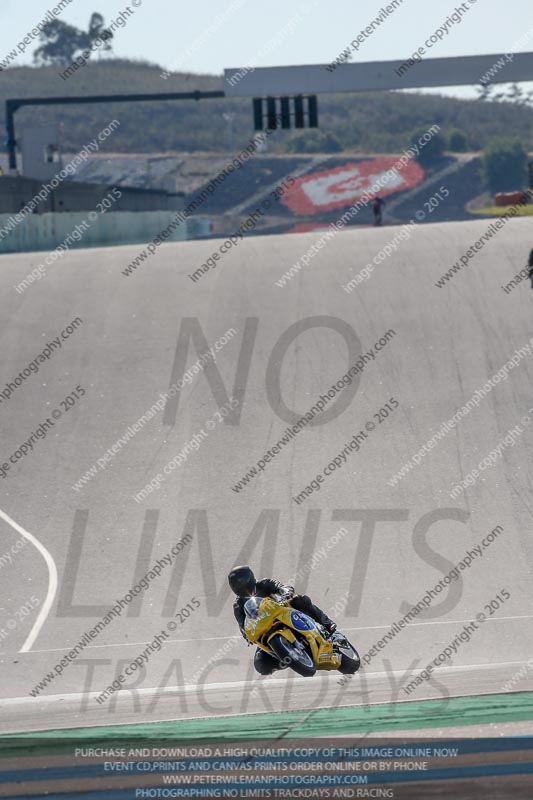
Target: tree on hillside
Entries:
(62, 42)
(457, 141)
(510, 93)
(312, 141)
(97, 30)
(433, 149)
(505, 165)
(515, 94)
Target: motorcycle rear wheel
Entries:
(298, 660)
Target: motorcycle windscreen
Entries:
(251, 607)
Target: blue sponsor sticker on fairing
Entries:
(301, 622)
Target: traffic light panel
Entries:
(285, 113)
(302, 110)
(258, 114)
(272, 120)
(299, 121)
(312, 107)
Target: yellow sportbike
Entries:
(296, 640)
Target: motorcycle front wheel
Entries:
(350, 661)
(293, 655)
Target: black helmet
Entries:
(242, 581)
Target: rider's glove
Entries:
(288, 593)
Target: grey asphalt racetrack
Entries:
(397, 541)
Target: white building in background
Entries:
(41, 152)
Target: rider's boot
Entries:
(329, 625)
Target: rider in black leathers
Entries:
(377, 208)
(243, 583)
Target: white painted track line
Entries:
(52, 581)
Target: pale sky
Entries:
(235, 31)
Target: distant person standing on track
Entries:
(530, 265)
(377, 208)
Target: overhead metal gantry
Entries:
(317, 79)
(375, 76)
(15, 103)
